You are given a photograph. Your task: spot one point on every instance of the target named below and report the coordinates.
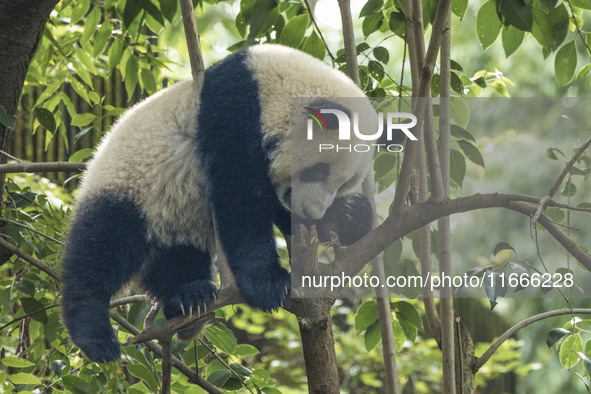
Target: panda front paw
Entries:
(101, 349)
(191, 298)
(265, 290)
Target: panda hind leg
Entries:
(180, 277)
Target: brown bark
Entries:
(318, 344)
(21, 25)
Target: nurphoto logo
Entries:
(344, 128)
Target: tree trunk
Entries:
(318, 344)
(21, 25)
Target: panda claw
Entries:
(182, 308)
(204, 309)
(191, 311)
(215, 298)
(198, 310)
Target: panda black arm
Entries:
(229, 146)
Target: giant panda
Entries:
(172, 164)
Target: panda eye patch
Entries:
(316, 173)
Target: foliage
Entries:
(91, 44)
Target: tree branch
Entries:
(192, 36)
(56, 166)
(480, 361)
(29, 259)
(558, 182)
(416, 216)
(178, 364)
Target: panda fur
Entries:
(145, 204)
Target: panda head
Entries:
(323, 166)
(307, 180)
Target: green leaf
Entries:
(407, 311)
(240, 370)
(147, 80)
(461, 133)
(219, 377)
(554, 335)
(512, 39)
(543, 28)
(459, 112)
(246, 350)
(86, 61)
(456, 83)
(130, 12)
(381, 54)
(79, 11)
(502, 246)
(92, 21)
(371, 24)
(142, 372)
(586, 362)
(31, 305)
(372, 336)
(561, 20)
(80, 120)
(152, 10)
(555, 214)
(455, 65)
(488, 24)
(397, 23)
(371, 8)
(221, 337)
(45, 118)
(459, 7)
(366, 315)
(6, 120)
(101, 39)
(16, 362)
(263, 14)
(75, 385)
(314, 46)
(294, 31)
(569, 189)
(517, 13)
(115, 53)
(585, 4)
(131, 75)
(435, 85)
(471, 152)
(168, 8)
(81, 155)
(383, 164)
(376, 70)
(584, 71)
(457, 167)
(565, 63)
(569, 350)
(23, 378)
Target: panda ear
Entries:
(332, 121)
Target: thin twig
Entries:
(31, 229)
(192, 36)
(28, 315)
(221, 360)
(157, 349)
(317, 28)
(29, 259)
(480, 361)
(544, 201)
(130, 300)
(579, 32)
